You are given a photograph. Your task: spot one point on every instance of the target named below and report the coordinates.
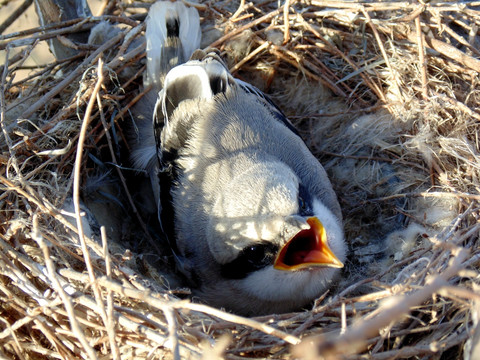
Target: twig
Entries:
(449, 51)
(111, 323)
(70, 109)
(152, 242)
(435, 194)
(172, 332)
(384, 54)
(75, 326)
(81, 26)
(45, 28)
(291, 339)
(373, 6)
(15, 15)
(240, 9)
(241, 29)
(354, 338)
(45, 208)
(458, 104)
(460, 39)
(72, 76)
(161, 304)
(406, 352)
(76, 195)
(286, 22)
(48, 68)
(250, 56)
(296, 62)
(3, 120)
(136, 328)
(335, 51)
(421, 58)
(134, 33)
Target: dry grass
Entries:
(387, 94)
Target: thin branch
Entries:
(15, 15)
(76, 193)
(78, 71)
(241, 29)
(75, 326)
(393, 74)
(355, 337)
(421, 57)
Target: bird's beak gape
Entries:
(308, 248)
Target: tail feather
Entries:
(173, 34)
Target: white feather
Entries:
(190, 32)
(156, 35)
(293, 288)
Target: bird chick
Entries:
(253, 220)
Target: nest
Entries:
(386, 94)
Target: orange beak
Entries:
(307, 249)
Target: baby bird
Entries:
(253, 220)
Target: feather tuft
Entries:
(173, 34)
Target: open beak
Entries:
(308, 248)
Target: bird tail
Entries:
(173, 34)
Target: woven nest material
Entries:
(386, 94)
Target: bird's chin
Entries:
(270, 291)
(302, 285)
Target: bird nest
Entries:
(386, 95)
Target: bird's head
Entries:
(272, 238)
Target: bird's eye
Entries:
(255, 253)
(302, 204)
(250, 259)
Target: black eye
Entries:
(302, 204)
(250, 259)
(255, 254)
(304, 201)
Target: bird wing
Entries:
(277, 112)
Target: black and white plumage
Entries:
(255, 223)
